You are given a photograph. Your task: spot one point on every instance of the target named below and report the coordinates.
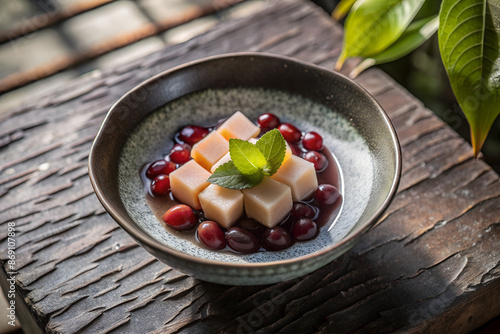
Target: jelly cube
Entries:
(299, 175)
(210, 149)
(221, 161)
(221, 205)
(238, 126)
(268, 202)
(187, 182)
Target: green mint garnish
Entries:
(228, 176)
(273, 147)
(247, 158)
(250, 163)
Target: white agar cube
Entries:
(187, 182)
(268, 202)
(210, 149)
(238, 126)
(221, 205)
(299, 175)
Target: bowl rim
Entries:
(145, 239)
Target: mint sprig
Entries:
(273, 147)
(247, 158)
(228, 176)
(250, 162)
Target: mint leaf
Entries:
(247, 158)
(273, 147)
(250, 163)
(228, 176)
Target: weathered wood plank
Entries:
(431, 264)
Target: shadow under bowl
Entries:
(140, 126)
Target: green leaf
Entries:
(469, 43)
(273, 147)
(417, 33)
(342, 9)
(228, 176)
(247, 158)
(373, 25)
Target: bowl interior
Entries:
(140, 127)
(153, 138)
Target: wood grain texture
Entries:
(432, 264)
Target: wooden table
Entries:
(432, 264)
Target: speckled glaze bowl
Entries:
(139, 129)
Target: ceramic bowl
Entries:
(140, 126)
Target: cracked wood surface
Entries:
(432, 264)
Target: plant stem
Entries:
(368, 62)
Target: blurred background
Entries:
(45, 43)
(423, 74)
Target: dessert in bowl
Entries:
(249, 194)
(141, 127)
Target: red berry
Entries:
(304, 229)
(276, 238)
(160, 167)
(268, 121)
(160, 185)
(287, 222)
(290, 132)
(326, 194)
(180, 217)
(303, 210)
(191, 134)
(295, 150)
(318, 159)
(252, 226)
(211, 235)
(242, 240)
(312, 141)
(180, 153)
